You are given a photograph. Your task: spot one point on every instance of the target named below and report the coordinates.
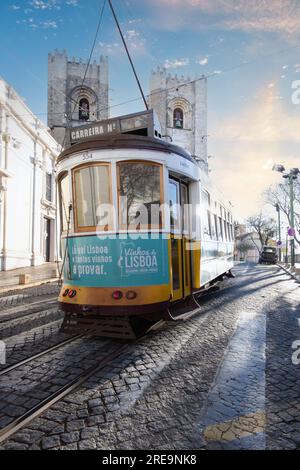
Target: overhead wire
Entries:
(87, 68)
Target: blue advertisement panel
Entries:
(95, 261)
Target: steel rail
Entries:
(40, 354)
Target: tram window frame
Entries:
(91, 228)
(228, 230)
(225, 230)
(175, 227)
(213, 232)
(221, 228)
(148, 226)
(64, 211)
(184, 204)
(216, 227)
(206, 214)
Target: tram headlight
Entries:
(117, 295)
(131, 295)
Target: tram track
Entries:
(21, 421)
(40, 354)
(71, 385)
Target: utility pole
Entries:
(291, 175)
(279, 230)
(292, 217)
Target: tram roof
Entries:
(140, 130)
(125, 141)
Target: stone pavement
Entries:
(254, 402)
(224, 379)
(28, 308)
(235, 410)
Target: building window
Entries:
(84, 110)
(178, 118)
(48, 192)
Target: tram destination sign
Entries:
(92, 131)
(129, 123)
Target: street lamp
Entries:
(279, 231)
(291, 176)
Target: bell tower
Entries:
(181, 105)
(71, 103)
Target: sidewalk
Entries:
(287, 269)
(32, 275)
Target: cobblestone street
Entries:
(223, 380)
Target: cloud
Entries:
(175, 63)
(135, 41)
(45, 4)
(202, 61)
(281, 16)
(267, 120)
(247, 145)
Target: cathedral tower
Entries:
(181, 105)
(68, 101)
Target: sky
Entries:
(249, 49)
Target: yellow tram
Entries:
(143, 230)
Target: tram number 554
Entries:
(87, 156)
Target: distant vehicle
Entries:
(268, 255)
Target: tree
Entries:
(279, 195)
(265, 227)
(243, 246)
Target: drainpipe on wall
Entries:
(6, 139)
(34, 161)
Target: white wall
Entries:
(27, 153)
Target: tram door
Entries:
(180, 256)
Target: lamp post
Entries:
(279, 231)
(291, 176)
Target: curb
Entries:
(297, 278)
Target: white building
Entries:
(181, 106)
(27, 185)
(247, 246)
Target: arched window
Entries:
(178, 118)
(84, 110)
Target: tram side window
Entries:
(140, 195)
(225, 230)
(221, 237)
(206, 216)
(214, 230)
(229, 231)
(92, 191)
(64, 196)
(174, 205)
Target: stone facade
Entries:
(27, 185)
(182, 110)
(70, 102)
